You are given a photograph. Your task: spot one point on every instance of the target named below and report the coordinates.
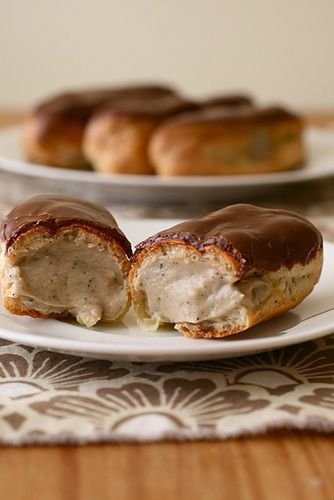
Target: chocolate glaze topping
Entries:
(259, 238)
(227, 101)
(79, 106)
(54, 212)
(235, 116)
(152, 107)
(82, 104)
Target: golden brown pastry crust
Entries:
(117, 137)
(216, 141)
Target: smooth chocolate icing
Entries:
(83, 103)
(260, 238)
(227, 101)
(236, 116)
(54, 212)
(153, 107)
(79, 106)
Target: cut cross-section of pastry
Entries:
(63, 256)
(225, 272)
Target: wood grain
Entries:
(278, 466)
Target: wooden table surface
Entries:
(277, 466)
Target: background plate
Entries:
(311, 319)
(149, 188)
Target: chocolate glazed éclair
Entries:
(247, 232)
(53, 212)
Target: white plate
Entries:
(320, 147)
(313, 318)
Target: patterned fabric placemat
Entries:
(47, 397)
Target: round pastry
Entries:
(117, 136)
(53, 131)
(221, 141)
(63, 256)
(225, 272)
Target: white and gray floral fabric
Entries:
(50, 397)
(47, 397)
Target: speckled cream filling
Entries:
(68, 274)
(180, 286)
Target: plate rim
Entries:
(25, 168)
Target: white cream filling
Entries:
(178, 285)
(176, 290)
(69, 275)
